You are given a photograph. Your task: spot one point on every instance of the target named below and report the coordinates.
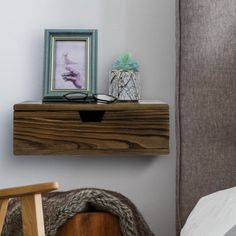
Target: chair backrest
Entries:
(31, 206)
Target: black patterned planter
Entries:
(125, 85)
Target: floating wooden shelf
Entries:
(75, 128)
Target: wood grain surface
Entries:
(127, 128)
(28, 189)
(3, 212)
(60, 106)
(91, 224)
(32, 215)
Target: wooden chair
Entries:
(31, 206)
(91, 224)
(82, 224)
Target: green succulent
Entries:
(125, 62)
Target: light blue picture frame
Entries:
(52, 36)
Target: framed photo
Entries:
(70, 63)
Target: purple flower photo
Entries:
(70, 65)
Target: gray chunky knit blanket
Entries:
(60, 206)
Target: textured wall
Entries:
(146, 28)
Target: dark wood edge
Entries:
(102, 152)
(37, 106)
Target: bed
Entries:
(205, 101)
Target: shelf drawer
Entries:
(90, 129)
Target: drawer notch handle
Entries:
(91, 116)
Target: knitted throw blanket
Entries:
(60, 206)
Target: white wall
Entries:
(144, 27)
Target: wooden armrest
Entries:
(28, 190)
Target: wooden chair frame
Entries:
(31, 206)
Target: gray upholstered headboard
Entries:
(206, 100)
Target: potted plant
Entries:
(124, 78)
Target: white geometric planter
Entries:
(124, 85)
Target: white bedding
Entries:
(214, 215)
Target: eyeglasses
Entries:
(89, 97)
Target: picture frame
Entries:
(70, 62)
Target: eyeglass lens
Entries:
(104, 97)
(76, 96)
